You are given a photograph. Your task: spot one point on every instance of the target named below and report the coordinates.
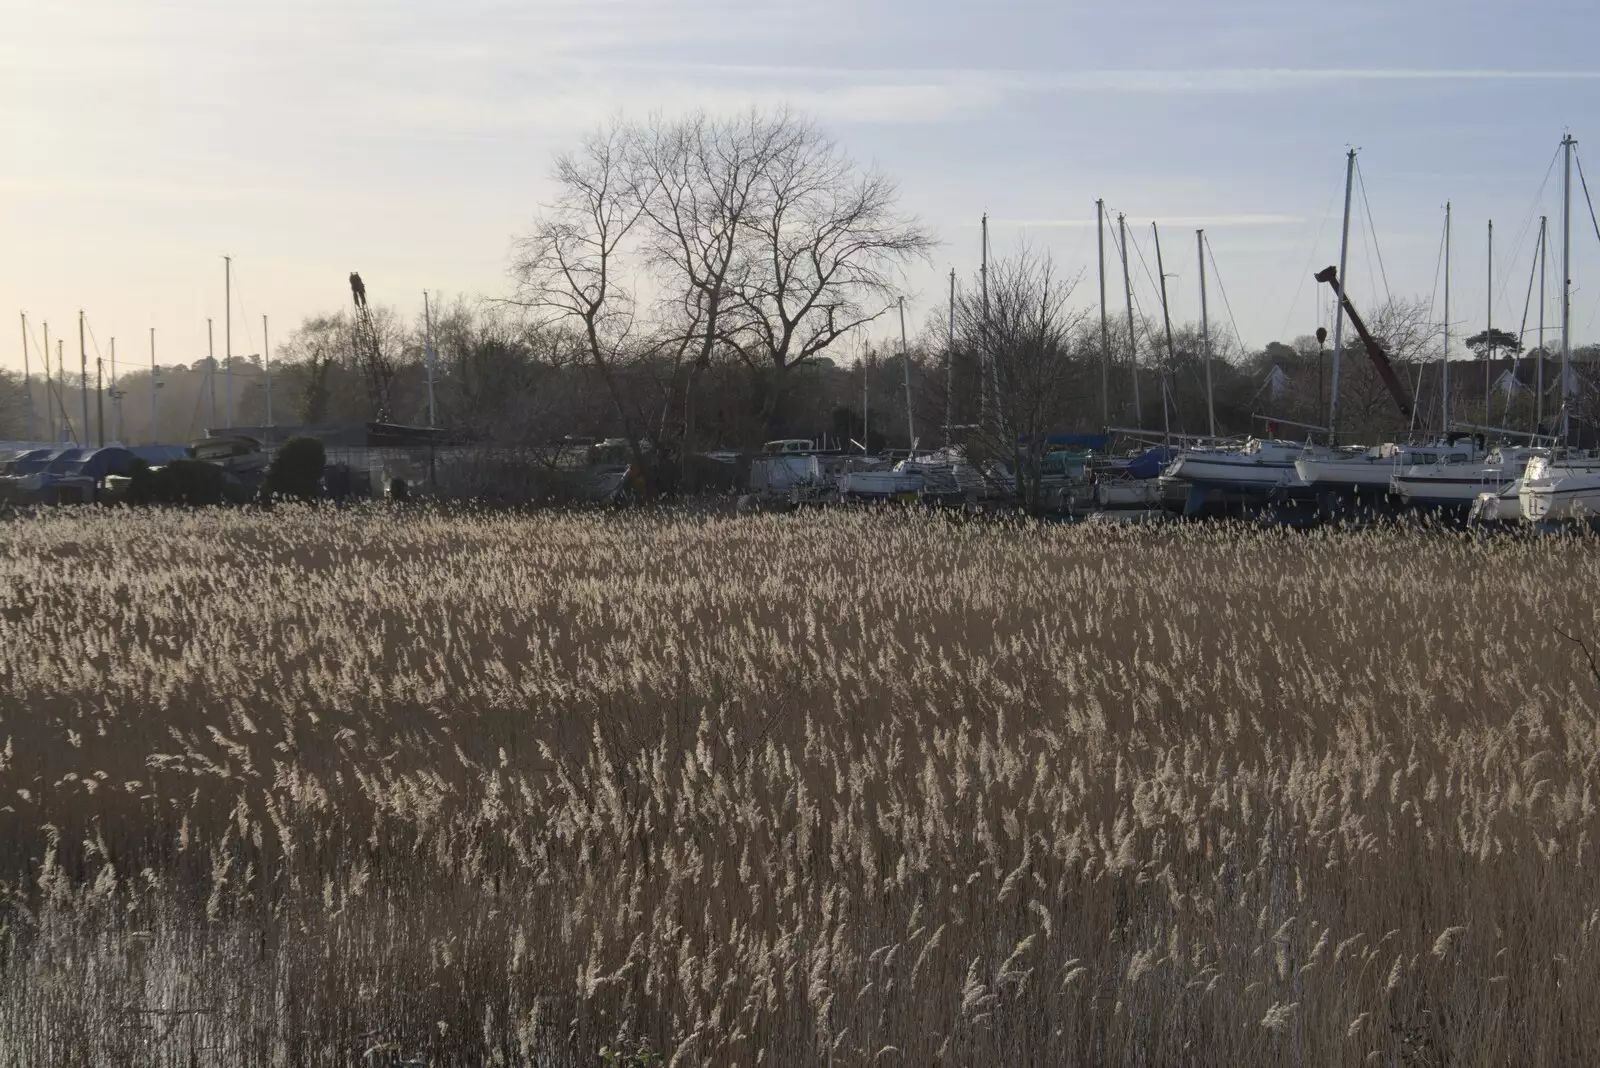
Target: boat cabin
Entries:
(789, 446)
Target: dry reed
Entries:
(369, 787)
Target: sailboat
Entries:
(1456, 479)
(1368, 473)
(1567, 487)
(1264, 469)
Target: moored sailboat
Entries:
(1454, 480)
(1370, 471)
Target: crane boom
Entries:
(1375, 352)
(375, 368)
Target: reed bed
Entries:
(384, 787)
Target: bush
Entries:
(194, 483)
(296, 470)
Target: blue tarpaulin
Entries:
(1097, 442)
(94, 463)
(1150, 463)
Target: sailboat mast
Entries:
(1567, 144)
(61, 392)
(1105, 333)
(1166, 319)
(49, 389)
(1488, 329)
(266, 362)
(155, 434)
(866, 426)
(211, 380)
(27, 377)
(983, 326)
(83, 380)
(1538, 402)
(1444, 370)
(1133, 343)
(1338, 315)
(99, 401)
(227, 339)
(427, 328)
(905, 368)
(949, 358)
(1205, 331)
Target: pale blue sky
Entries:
(411, 140)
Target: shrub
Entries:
(193, 483)
(296, 471)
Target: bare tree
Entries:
(823, 258)
(500, 377)
(701, 183)
(1025, 334)
(1408, 334)
(567, 268)
(314, 369)
(14, 402)
(757, 237)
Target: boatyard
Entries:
(993, 391)
(667, 534)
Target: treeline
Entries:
(503, 376)
(705, 283)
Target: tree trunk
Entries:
(771, 399)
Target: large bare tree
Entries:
(700, 185)
(824, 257)
(754, 235)
(569, 269)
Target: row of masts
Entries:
(1166, 322)
(988, 374)
(56, 387)
(989, 381)
(56, 384)
(1568, 144)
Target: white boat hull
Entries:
(1443, 493)
(880, 483)
(1554, 500)
(1371, 476)
(1458, 485)
(1242, 474)
(1502, 507)
(1131, 493)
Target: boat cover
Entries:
(1150, 463)
(90, 463)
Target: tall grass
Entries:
(365, 787)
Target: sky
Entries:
(412, 141)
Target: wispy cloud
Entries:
(492, 94)
(1204, 222)
(1116, 78)
(139, 192)
(583, 103)
(1262, 79)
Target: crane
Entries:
(1380, 358)
(377, 370)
